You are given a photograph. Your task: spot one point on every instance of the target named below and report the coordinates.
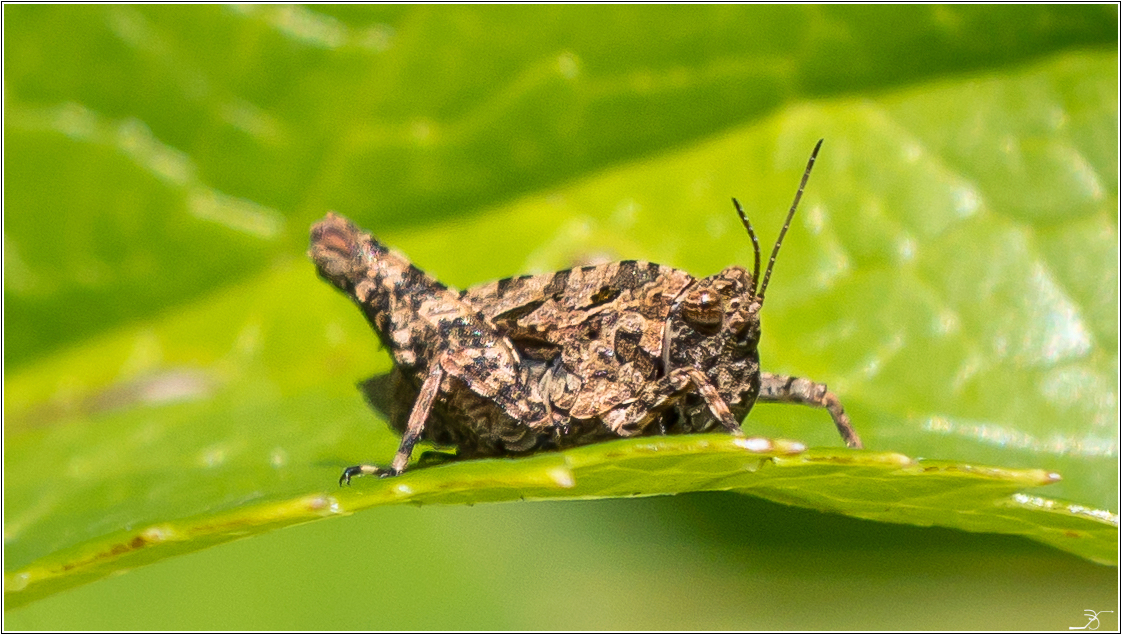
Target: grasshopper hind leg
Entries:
(412, 434)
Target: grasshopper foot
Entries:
(365, 470)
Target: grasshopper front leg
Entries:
(799, 390)
(657, 397)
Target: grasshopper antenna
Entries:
(755, 244)
(787, 224)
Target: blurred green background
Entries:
(168, 351)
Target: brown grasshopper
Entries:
(567, 358)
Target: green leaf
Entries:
(878, 486)
(176, 376)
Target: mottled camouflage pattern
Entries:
(470, 387)
(599, 332)
(626, 341)
(561, 359)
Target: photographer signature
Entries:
(1092, 618)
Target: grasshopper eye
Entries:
(703, 310)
